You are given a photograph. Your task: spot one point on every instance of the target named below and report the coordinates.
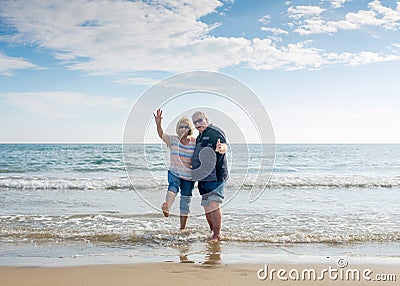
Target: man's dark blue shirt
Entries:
(209, 138)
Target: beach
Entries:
(213, 142)
(187, 274)
(79, 214)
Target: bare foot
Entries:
(216, 238)
(183, 221)
(165, 209)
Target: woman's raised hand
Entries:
(158, 116)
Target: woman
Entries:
(179, 174)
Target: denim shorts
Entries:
(186, 187)
(212, 191)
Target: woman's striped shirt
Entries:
(181, 157)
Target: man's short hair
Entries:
(201, 114)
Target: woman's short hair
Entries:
(185, 122)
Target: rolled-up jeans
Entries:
(186, 187)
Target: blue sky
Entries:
(326, 71)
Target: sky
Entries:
(326, 71)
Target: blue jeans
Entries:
(211, 191)
(174, 184)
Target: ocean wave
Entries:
(105, 161)
(151, 228)
(304, 237)
(165, 237)
(146, 183)
(285, 170)
(10, 171)
(38, 183)
(318, 181)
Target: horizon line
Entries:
(251, 143)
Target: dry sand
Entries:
(176, 274)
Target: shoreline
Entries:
(197, 253)
(194, 274)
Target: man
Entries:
(209, 168)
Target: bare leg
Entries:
(209, 220)
(183, 219)
(207, 210)
(169, 200)
(216, 216)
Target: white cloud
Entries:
(314, 26)
(378, 16)
(293, 57)
(299, 56)
(338, 3)
(117, 36)
(265, 19)
(110, 37)
(363, 58)
(390, 17)
(298, 12)
(364, 18)
(137, 81)
(63, 104)
(275, 31)
(9, 64)
(114, 36)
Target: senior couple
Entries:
(199, 159)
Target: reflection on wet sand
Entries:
(184, 254)
(213, 256)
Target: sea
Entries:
(80, 204)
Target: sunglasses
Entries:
(184, 127)
(198, 121)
